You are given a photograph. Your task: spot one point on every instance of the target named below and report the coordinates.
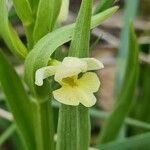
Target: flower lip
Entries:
(71, 81)
(80, 92)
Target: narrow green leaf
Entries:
(64, 11)
(47, 13)
(7, 133)
(24, 11)
(9, 35)
(145, 97)
(17, 100)
(103, 5)
(130, 12)
(80, 41)
(56, 6)
(34, 6)
(40, 54)
(125, 97)
(139, 142)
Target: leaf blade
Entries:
(47, 13)
(139, 142)
(24, 11)
(125, 97)
(15, 95)
(9, 35)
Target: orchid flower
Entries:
(75, 88)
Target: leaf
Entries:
(47, 13)
(103, 5)
(9, 35)
(81, 37)
(24, 11)
(129, 121)
(143, 107)
(64, 11)
(34, 6)
(9, 131)
(130, 12)
(40, 54)
(17, 100)
(139, 142)
(124, 102)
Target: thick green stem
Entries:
(73, 128)
(83, 128)
(67, 128)
(44, 126)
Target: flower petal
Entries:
(43, 73)
(71, 66)
(66, 95)
(64, 72)
(86, 98)
(75, 62)
(93, 64)
(73, 96)
(89, 82)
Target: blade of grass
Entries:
(9, 35)
(130, 12)
(16, 95)
(7, 133)
(129, 121)
(125, 98)
(146, 94)
(140, 142)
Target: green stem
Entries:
(83, 128)
(67, 128)
(73, 128)
(44, 126)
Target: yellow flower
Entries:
(75, 88)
